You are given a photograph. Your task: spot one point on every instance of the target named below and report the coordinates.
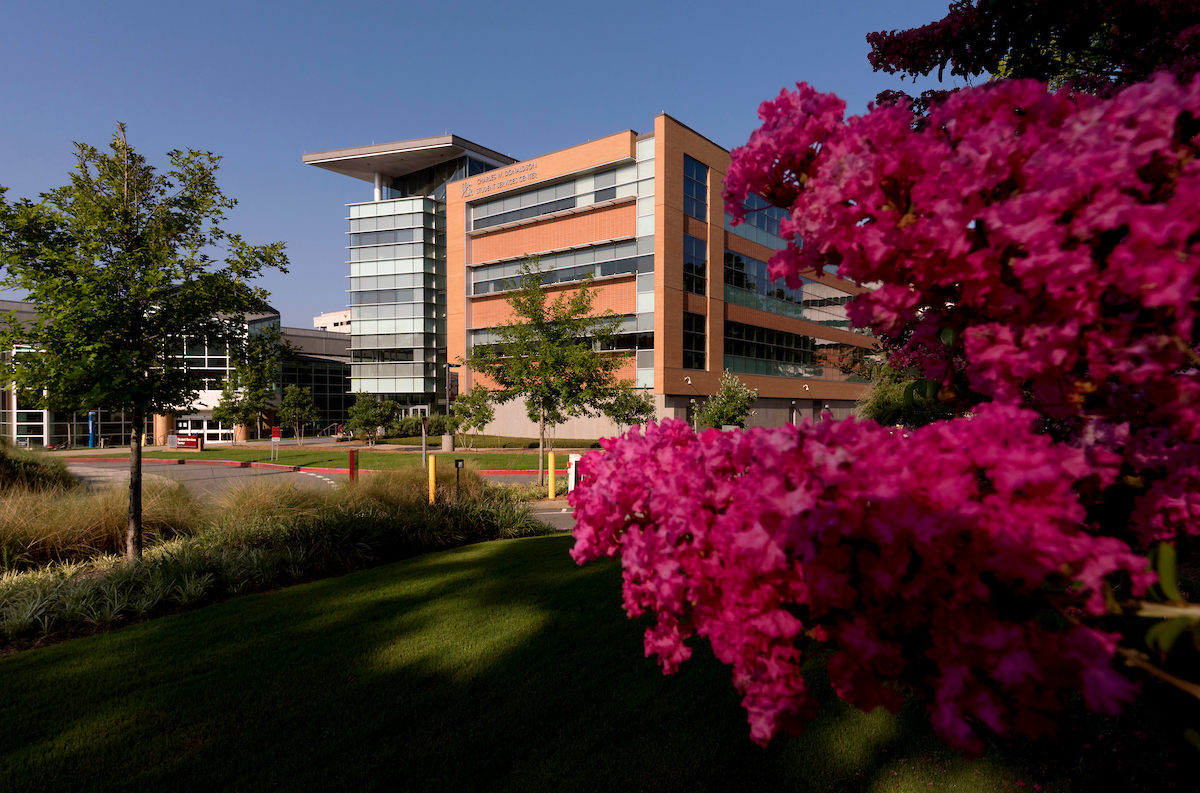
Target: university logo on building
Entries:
(466, 190)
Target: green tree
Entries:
(233, 409)
(473, 411)
(256, 373)
(730, 405)
(547, 354)
(367, 414)
(119, 266)
(629, 406)
(297, 409)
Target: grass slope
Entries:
(499, 667)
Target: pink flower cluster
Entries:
(1056, 238)
(927, 576)
(1055, 235)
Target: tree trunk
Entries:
(542, 447)
(133, 533)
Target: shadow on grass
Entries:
(500, 666)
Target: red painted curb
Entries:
(275, 466)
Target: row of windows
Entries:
(394, 311)
(544, 200)
(637, 264)
(410, 251)
(381, 356)
(626, 180)
(525, 213)
(631, 341)
(695, 264)
(387, 222)
(813, 301)
(821, 368)
(400, 266)
(762, 214)
(392, 237)
(415, 369)
(392, 340)
(693, 340)
(398, 281)
(695, 189)
(554, 261)
(392, 296)
(532, 198)
(769, 337)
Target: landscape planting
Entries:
(1038, 267)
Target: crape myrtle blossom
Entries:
(1036, 255)
(926, 576)
(1055, 235)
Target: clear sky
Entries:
(260, 83)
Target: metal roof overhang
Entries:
(401, 157)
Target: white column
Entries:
(378, 187)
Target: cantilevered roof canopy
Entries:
(402, 157)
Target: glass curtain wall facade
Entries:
(398, 298)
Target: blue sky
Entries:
(260, 83)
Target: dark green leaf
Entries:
(1162, 637)
(947, 336)
(1165, 564)
(1192, 737)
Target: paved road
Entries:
(201, 479)
(209, 480)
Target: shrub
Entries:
(20, 468)
(38, 527)
(266, 535)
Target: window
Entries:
(695, 189)
(695, 264)
(693, 340)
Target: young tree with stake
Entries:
(546, 354)
(119, 266)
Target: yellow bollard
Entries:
(551, 461)
(432, 478)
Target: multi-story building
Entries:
(335, 321)
(319, 361)
(397, 261)
(643, 216)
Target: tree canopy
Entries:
(297, 408)
(1091, 46)
(120, 265)
(730, 406)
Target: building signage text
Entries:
(500, 179)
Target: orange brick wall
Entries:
(618, 296)
(462, 312)
(562, 232)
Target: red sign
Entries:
(275, 433)
(187, 442)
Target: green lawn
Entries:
(338, 458)
(507, 442)
(499, 666)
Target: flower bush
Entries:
(1036, 255)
